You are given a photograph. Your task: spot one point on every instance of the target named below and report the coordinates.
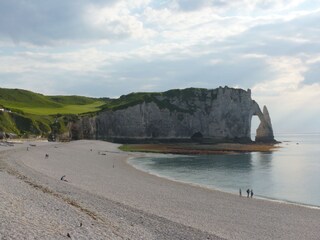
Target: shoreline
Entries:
(120, 196)
(257, 197)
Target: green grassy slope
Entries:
(17, 98)
(7, 124)
(64, 109)
(33, 103)
(72, 100)
(36, 114)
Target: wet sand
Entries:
(114, 200)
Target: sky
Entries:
(107, 48)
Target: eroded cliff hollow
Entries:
(216, 115)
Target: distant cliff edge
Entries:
(199, 115)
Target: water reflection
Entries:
(264, 160)
(225, 162)
(218, 171)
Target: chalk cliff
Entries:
(216, 115)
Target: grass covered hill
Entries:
(27, 113)
(34, 103)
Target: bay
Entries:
(291, 173)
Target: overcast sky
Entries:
(107, 48)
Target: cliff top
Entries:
(161, 98)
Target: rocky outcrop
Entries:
(216, 115)
(84, 128)
(264, 131)
(5, 136)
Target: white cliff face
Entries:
(85, 128)
(216, 115)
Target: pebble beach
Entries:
(104, 197)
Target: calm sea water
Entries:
(291, 173)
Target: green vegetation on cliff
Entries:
(28, 113)
(24, 125)
(159, 98)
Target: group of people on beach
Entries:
(249, 193)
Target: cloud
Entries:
(60, 22)
(118, 20)
(289, 74)
(292, 98)
(193, 5)
(313, 74)
(235, 7)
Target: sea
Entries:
(289, 174)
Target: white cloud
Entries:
(313, 59)
(118, 20)
(237, 6)
(84, 60)
(289, 75)
(292, 102)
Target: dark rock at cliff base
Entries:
(199, 115)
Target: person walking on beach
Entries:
(240, 193)
(63, 178)
(248, 192)
(251, 193)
